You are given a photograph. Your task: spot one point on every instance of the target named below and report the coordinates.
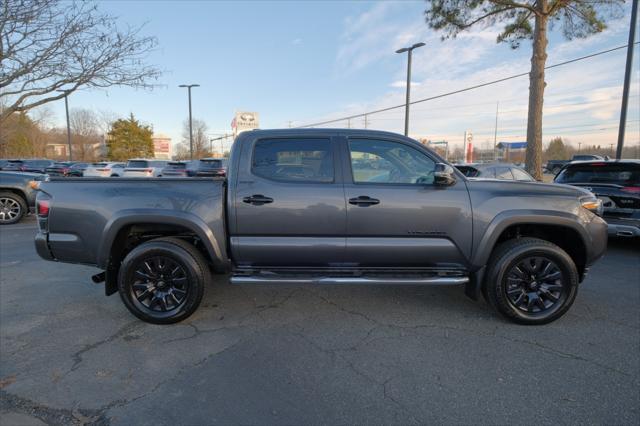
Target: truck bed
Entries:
(86, 214)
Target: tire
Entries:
(157, 298)
(548, 286)
(12, 207)
(115, 175)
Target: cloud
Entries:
(403, 84)
(582, 99)
(296, 41)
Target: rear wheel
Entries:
(12, 207)
(162, 281)
(531, 281)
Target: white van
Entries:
(144, 168)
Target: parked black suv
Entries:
(33, 166)
(617, 184)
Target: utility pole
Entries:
(409, 51)
(627, 78)
(66, 108)
(495, 133)
(366, 121)
(189, 86)
(579, 145)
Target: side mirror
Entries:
(444, 175)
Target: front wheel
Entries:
(162, 281)
(531, 281)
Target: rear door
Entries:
(289, 204)
(396, 216)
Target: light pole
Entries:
(627, 78)
(66, 107)
(406, 108)
(189, 86)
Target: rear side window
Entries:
(294, 160)
(504, 173)
(138, 164)
(521, 175)
(489, 172)
(617, 174)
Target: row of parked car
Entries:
(205, 167)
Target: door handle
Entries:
(363, 201)
(257, 200)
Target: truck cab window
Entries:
(294, 160)
(386, 162)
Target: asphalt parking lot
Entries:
(311, 355)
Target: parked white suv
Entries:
(104, 170)
(144, 168)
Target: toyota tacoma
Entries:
(322, 207)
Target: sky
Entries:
(296, 63)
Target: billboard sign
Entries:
(245, 121)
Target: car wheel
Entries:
(162, 281)
(531, 281)
(12, 207)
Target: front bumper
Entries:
(42, 247)
(597, 229)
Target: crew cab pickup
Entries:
(321, 207)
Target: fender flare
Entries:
(124, 218)
(502, 221)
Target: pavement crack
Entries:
(77, 356)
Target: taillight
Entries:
(65, 170)
(102, 170)
(43, 207)
(148, 170)
(631, 189)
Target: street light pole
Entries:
(66, 107)
(409, 51)
(189, 86)
(627, 78)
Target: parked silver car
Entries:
(105, 169)
(495, 171)
(144, 168)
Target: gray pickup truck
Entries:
(326, 206)
(17, 195)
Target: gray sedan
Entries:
(495, 171)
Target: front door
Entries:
(289, 204)
(396, 216)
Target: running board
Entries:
(283, 279)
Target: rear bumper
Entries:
(42, 247)
(623, 229)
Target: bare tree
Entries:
(85, 134)
(525, 20)
(201, 142)
(49, 45)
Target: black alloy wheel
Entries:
(161, 284)
(534, 285)
(531, 281)
(162, 281)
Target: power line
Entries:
(466, 89)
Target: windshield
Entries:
(618, 174)
(177, 166)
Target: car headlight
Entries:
(593, 204)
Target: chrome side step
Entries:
(283, 279)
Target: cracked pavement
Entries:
(312, 355)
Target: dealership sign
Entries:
(245, 121)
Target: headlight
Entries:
(594, 205)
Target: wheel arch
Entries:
(561, 228)
(160, 223)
